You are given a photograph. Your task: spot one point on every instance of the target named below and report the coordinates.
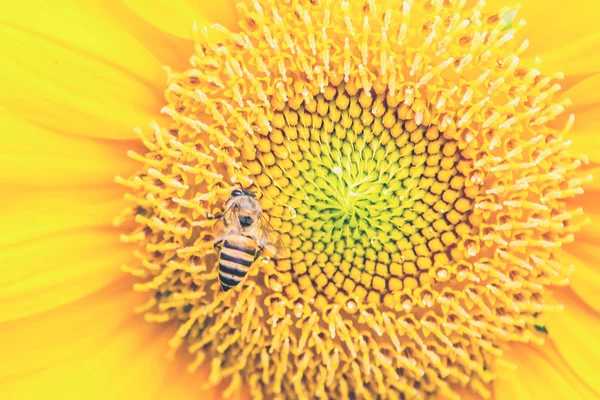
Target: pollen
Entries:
(410, 162)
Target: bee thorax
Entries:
(245, 220)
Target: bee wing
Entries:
(270, 241)
(225, 224)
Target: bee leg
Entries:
(216, 216)
(217, 244)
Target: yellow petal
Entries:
(93, 349)
(539, 374)
(549, 30)
(577, 57)
(180, 384)
(63, 68)
(42, 274)
(33, 214)
(31, 155)
(575, 334)
(584, 136)
(585, 279)
(509, 384)
(222, 12)
(583, 253)
(586, 110)
(167, 49)
(564, 36)
(585, 98)
(592, 188)
(584, 143)
(585, 93)
(590, 232)
(68, 330)
(177, 17)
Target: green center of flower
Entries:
(368, 196)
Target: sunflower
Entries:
(428, 164)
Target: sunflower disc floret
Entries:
(405, 157)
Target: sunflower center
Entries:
(374, 197)
(403, 156)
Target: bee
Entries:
(242, 234)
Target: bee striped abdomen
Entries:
(237, 255)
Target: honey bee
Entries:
(242, 234)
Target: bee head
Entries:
(242, 192)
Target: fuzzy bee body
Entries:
(241, 234)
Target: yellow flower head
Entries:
(417, 162)
(406, 157)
